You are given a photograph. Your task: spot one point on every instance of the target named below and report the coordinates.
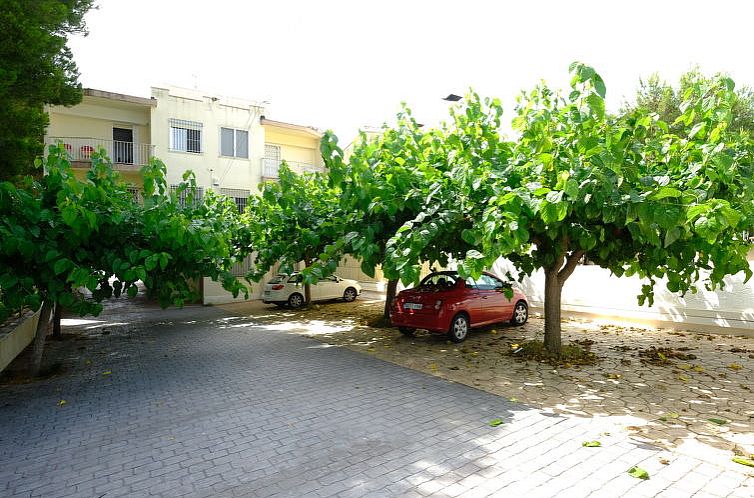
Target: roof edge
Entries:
(132, 99)
(306, 129)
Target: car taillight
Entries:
(438, 304)
(277, 286)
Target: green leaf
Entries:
(664, 193)
(718, 421)
(132, 291)
(743, 461)
(591, 444)
(151, 262)
(552, 213)
(572, 188)
(61, 266)
(671, 236)
(638, 473)
(495, 422)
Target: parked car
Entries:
(446, 303)
(288, 290)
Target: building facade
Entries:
(228, 143)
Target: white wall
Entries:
(594, 291)
(213, 113)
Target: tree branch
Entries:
(570, 265)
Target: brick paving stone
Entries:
(204, 403)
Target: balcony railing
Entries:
(270, 167)
(125, 155)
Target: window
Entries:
(239, 196)
(135, 193)
(185, 136)
(184, 195)
(234, 143)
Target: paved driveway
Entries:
(196, 402)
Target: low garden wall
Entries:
(15, 335)
(593, 291)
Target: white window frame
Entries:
(239, 195)
(235, 131)
(183, 144)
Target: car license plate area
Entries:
(412, 306)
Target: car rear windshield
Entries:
(278, 279)
(439, 280)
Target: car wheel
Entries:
(407, 331)
(295, 300)
(459, 328)
(520, 313)
(349, 294)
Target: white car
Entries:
(288, 289)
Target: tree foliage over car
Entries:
(36, 69)
(59, 235)
(386, 181)
(294, 220)
(628, 192)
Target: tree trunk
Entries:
(553, 290)
(39, 339)
(307, 287)
(56, 333)
(392, 287)
(555, 276)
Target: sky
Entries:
(343, 65)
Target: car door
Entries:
(498, 306)
(327, 288)
(475, 301)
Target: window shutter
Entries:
(242, 143)
(226, 142)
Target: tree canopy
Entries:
(630, 193)
(294, 220)
(36, 69)
(59, 234)
(657, 96)
(387, 181)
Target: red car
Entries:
(446, 303)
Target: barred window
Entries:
(234, 143)
(239, 196)
(184, 195)
(185, 136)
(135, 193)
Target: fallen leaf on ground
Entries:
(495, 422)
(735, 366)
(433, 366)
(513, 399)
(683, 378)
(107, 372)
(744, 461)
(664, 461)
(591, 444)
(638, 473)
(718, 421)
(62, 402)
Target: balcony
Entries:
(128, 156)
(270, 168)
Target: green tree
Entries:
(386, 181)
(627, 192)
(59, 234)
(36, 69)
(294, 220)
(657, 96)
